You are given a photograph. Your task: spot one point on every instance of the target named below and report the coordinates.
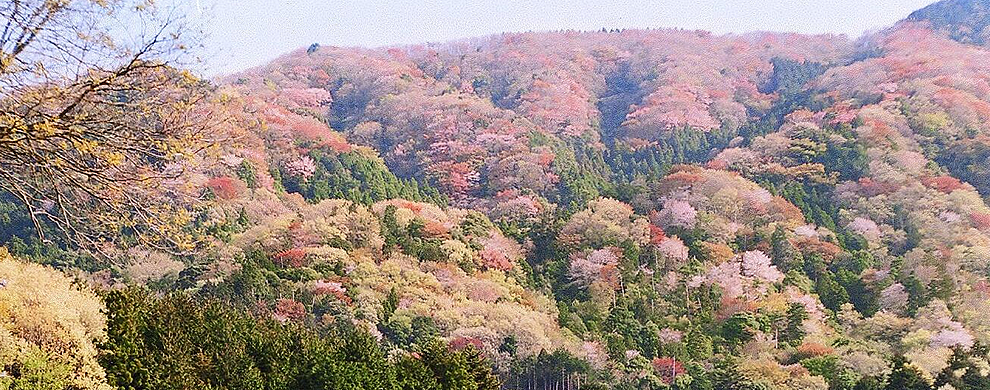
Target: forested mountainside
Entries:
(963, 20)
(629, 209)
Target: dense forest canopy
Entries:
(627, 209)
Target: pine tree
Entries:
(451, 368)
(830, 292)
(484, 377)
(794, 331)
(413, 374)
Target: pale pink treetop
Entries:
(303, 167)
(673, 248)
(756, 264)
(679, 213)
(865, 227)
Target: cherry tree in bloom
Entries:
(229, 160)
(328, 287)
(336, 289)
(865, 227)
(499, 252)
(911, 162)
(956, 335)
(517, 208)
(495, 259)
(732, 156)
(746, 275)
(894, 298)
(670, 107)
(305, 97)
(674, 249)
(949, 217)
(811, 304)
(696, 281)
(668, 335)
(484, 291)
(806, 231)
(604, 256)
(727, 276)
(303, 167)
(758, 197)
(678, 213)
(588, 268)
(756, 264)
(594, 353)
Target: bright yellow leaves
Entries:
(55, 5)
(114, 158)
(10, 125)
(84, 145)
(188, 77)
(45, 319)
(5, 61)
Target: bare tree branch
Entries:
(91, 129)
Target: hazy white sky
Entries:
(247, 33)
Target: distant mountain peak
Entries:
(966, 21)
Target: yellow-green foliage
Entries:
(48, 330)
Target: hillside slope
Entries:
(625, 209)
(834, 197)
(965, 21)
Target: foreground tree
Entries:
(95, 116)
(182, 342)
(49, 330)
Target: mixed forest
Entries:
(618, 209)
